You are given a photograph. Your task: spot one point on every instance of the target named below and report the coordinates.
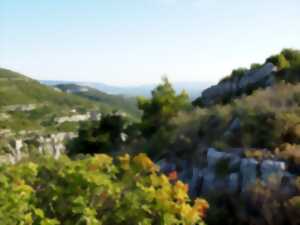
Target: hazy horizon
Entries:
(136, 42)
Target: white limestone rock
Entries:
(271, 168)
(73, 118)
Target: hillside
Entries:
(19, 89)
(25, 104)
(284, 66)
(117, 102)
(241, 145)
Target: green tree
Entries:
(161, 108)
(255, 66)
(103, 137)
(292, 55)
(280, 61)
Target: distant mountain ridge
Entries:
(117, 102)
(194, 89)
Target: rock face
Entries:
(231, 87)
(52, 145)
(55, 144)
(253, 77)
(15, 154)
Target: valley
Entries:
(236, 145)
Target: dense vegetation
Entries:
(93, 191)
(157, 114)
(96, 189)
(105, 136)
(152, 133)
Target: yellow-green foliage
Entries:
(257, 154)
(267, 118)
(93, 191)
(289, 152)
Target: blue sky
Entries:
(126, 42)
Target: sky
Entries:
(132, 42)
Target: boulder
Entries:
(248, 170)
(271, 168)
(208, 181)
(214, 156)
(233, 182)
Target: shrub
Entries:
(95, 190)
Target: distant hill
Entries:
(118, 102)
(26, 104)
(194, 89)
(16, 88)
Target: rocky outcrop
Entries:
(94, 116)
(53, 145)
(19, 108)
(228, 172)
(15, 154)
(73, 118)
(232, 87)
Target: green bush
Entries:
(93, 191)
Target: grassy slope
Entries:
(117, 102)
(16, 88)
